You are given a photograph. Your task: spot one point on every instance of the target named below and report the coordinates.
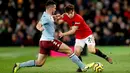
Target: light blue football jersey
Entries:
(47, 22)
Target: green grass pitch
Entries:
(10, 55)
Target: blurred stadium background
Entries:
(108, 19)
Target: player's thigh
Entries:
(41, 59)
(44, 47)
(79, 46)
(43, 52)
(78, 50)
(90, 41)
(65, 49)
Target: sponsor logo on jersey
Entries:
(77, 22)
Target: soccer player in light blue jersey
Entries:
(48, 42)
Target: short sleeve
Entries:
(43, 20)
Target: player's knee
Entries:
(77, 53)
(39, 64)
(91, 49)
(78, 50)
(69, 52)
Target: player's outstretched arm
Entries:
(58, 18)
(39, 27)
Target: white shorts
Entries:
(88, 40)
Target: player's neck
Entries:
(49, 12)
(73, 14)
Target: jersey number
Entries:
(90, 40)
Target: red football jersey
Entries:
(83, 30)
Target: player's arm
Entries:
(39, 27)
(70, 32)
(41, 22)
(58, 18)
(60, 21)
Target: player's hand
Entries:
(60, 34)
(41, 29)
(57, 16)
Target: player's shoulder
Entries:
(78, 16)
(45, 16)
(64, 15)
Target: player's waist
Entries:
(46, 38)
(83, 32)
(82, 35)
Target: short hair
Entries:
(50, 2)
(69, 8)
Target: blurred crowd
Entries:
(108, 19)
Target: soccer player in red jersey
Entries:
(82, 33)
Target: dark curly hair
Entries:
(69, 8)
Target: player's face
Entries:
(53, 9)
(70, 14)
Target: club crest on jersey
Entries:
(75, 23)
